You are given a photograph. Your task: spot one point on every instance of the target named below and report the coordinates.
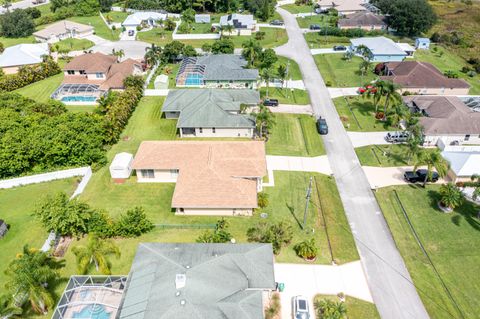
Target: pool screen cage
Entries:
(190, 73)
(472, 102)
(91, 292)
(76, 89)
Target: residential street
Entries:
(22, 5)
(391, 286)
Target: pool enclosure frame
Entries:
(77, 89)
(76, 283)
(189, 69)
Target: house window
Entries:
(213, 130)
(467, 137)
(231, 81)
(83, 72)
(99, 75)
(200, 130)
(174, 173)
(147, 173)
(70, 72)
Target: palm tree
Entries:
(364, 66)
(364, 51)
(29, 275)
(451, 196)
(95, 252)
(7, 308)
(391, 95)
(6, 4)
(348, 55)
(262, 199)
(153, 54)
(306, 249)
(266, 75)
(109, 19)
(398, 113)
(251, 51)
(413, 148)
(282, 73)
(432, 159)
(264, 120)
(227, 30)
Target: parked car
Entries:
(300, 308)
(322, 126)
(339, 48)
(276, 22)
(270, 102)
(314, 27)
(319, 10)
(131, 33)
(419, 176)
(397, 137)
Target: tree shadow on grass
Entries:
(469, 211)
(291, 209)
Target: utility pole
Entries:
(309, 193)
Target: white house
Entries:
(121, 167)
(148, 19)
(462, 165)
(22, 55)
(244, 24)
(63, 30)
(382, 49)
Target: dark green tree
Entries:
(16, 24)
(223, 46)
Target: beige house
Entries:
(422, 78)
(364, 20)
(344, 7)
(212, 177)
(62, 30)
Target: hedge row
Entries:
(29, 74)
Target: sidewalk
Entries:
(360, 139)
(317, 164)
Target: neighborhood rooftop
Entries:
(211, 107)
(379, 45)
(62, 27)
(343, 5)
(138, 17)
(212, 174)
(23, 54)
(363, 18)
(197, 281)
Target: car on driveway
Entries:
(322, 126)
(131, 33)
(270, 102)
(397, 137)
(314, 27)
(300, 308)
(419, 176)
(276, 22)
(339, 48)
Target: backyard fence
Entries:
(46, 177)
(198, 36)
(156, 92)
(186, 226)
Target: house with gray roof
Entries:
(20, 55)
(239, 21)
(382, 49)
(197, 281)
(217, 71)
(211, 112)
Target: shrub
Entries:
(114, 28)
(472, 74)
(329, 309)
(451, 74)
(306, 249)
(133, 224)
(278, 235)
(259, 35)
(274, 308)
(379, 115)
(262, 199)
(207, 47)
(220, 235)
(328, 83)
(450, 196)
(33, 12)
(28, 75)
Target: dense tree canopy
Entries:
(408, 17)
(16, 24)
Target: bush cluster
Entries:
(29, 74)
(349, 33)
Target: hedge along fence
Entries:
(29, 74)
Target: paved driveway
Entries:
(132, 49)
(22, 5)
(360, 139)
(317, 164)
(292, 109)
(388, 277)
(325, 51)
(337, 92)
(310, 280)
(388, 176)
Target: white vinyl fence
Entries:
(197, 36)
(156, 92)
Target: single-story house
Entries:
(197, 281)
(23, 54)
(121, 166)
(363, 20)
(244, 24)
(211, 112)
(382, 49)
(344, 7)
(422, 43)
(63, 30)
(422, 78)
(407, 48)
(447, 118)
(202, 18)
(212, 177)
(89, 76)
(147, 19)
(462, 165)
(217, 71)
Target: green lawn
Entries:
(293, 68)
(17, 206)
(9, 42)
(338, 72)
(170, 69)
(75, 44)
(447, 61)
(320, 19)
(81, 108)
(273, 37)
(315, 40)
(363, 111)
(198, 28)
(42, 90)
(101, 28)
(286, 96)
(385, 155)
(295, 135)
(451, 241)
(293, 8)
(116, 16)
(356, 308)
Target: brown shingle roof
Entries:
(212, 174)
(446, 115)
(362, 19)
(414, 74)
(91, 62)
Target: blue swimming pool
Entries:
(92, 312)
(194, 80)
(79, 98)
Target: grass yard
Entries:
(356, 308)
(294, 8)
(170, 69)
(319, 19)
(42, 90)
(286, 96)
(101, 28)
(9, 42)
(315, 40)
(17, 206)
(340, 73)
(293, 68)
(385, 155)
(451, 241)
(295, 135)
(81, 108)
(72, 44)
(363, 111)
(445, 60)
(197, 28)
(116, 16)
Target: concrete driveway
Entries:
(337, 92)
(325, 51)
(292, 109)
(360, 139)
(310, 280)
(132, 49)
(317, 164)
(379, 177)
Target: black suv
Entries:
(270, 102)
(339, 48)
(315, 27)
(276, 22)
(419, 176)
(322, 126)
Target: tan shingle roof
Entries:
(91, 62)
(362, 19)
(62, 27)
(414, 74)
(212, 174)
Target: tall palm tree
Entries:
(391, 95)
(266, 75)
(364, 66)
(413, 148)
(251, 51)
(118, 53)
(29, 275)
(7, 308)
(282, 73)
(228, 29)
(364, 51)
(264, 120)
(432, 159)
(95, 253)
(153, 54)
(397, 113)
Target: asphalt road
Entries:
(21, 5)
(392, 289)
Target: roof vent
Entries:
(177, 293)
(187, 266)
(180, 280)
(183, 302)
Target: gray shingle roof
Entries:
(211, 107)
(220, 67)
(223, 281)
